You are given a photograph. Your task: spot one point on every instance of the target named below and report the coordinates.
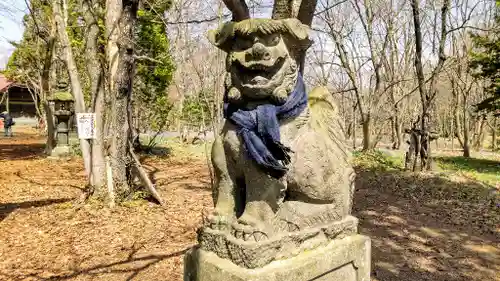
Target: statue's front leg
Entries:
(224, 190)
(263, 196)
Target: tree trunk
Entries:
(45, 83)
(282, 9)
(465, 126)
(49, 117)
(397, 127)
(45, 90)
(96, 77)
(427, 95)
(420, 75)
(494, 134)
(412, 152)
(121, 90)
(367, 145)
(466, 145)
(458, 129)
(466, 151)
(238, 8)
(478, 141)
(354, 127)
(452, 133)
(393, 133)
(60, 11)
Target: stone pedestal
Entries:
(62, 148)
(346, 259)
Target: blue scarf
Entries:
(260, 129)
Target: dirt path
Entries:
(417, 235)
(45, 236)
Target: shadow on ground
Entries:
(157, 151)
(427, 227)
(7, 208)
(132, 265)
(470, 164)
(21, 151)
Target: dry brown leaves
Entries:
(418, 234)
(45, 235)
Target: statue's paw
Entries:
(250, 230)
(234, 95)
(281, 96)
(287, 226)
(219, 222)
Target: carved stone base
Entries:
(251, 254)
(346, 259)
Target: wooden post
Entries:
(7, 101)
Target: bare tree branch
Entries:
(38, 30)
(329, 7)
(198, 21)
(146, 58)
(306, 11)
(238, 8)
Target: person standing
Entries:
(8, 122)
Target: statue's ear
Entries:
(298, 34)
(222, 37)
(297, 29)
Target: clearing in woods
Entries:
(439, 226)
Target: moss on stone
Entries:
(62, 96)
(224, 35)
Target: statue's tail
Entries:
(325, 118)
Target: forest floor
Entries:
(443, 225)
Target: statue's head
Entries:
(262, 57)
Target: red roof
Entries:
(4, 83)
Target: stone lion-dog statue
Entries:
(282, 168)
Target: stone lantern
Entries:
(62, 102)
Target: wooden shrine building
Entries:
(16, 99)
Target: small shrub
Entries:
(377, 160)
(75, 149)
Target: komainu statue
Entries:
(282, 168)
(284, 183)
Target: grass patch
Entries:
(182, 150)
(173, 147)
(377, 160)
(484, 170)
(458, 178)
(479, 169)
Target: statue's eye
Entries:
(276, 39)
(273, 40)
(242, 44)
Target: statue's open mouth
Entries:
(259, 73)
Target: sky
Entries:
(12, 12)
(11, 29)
